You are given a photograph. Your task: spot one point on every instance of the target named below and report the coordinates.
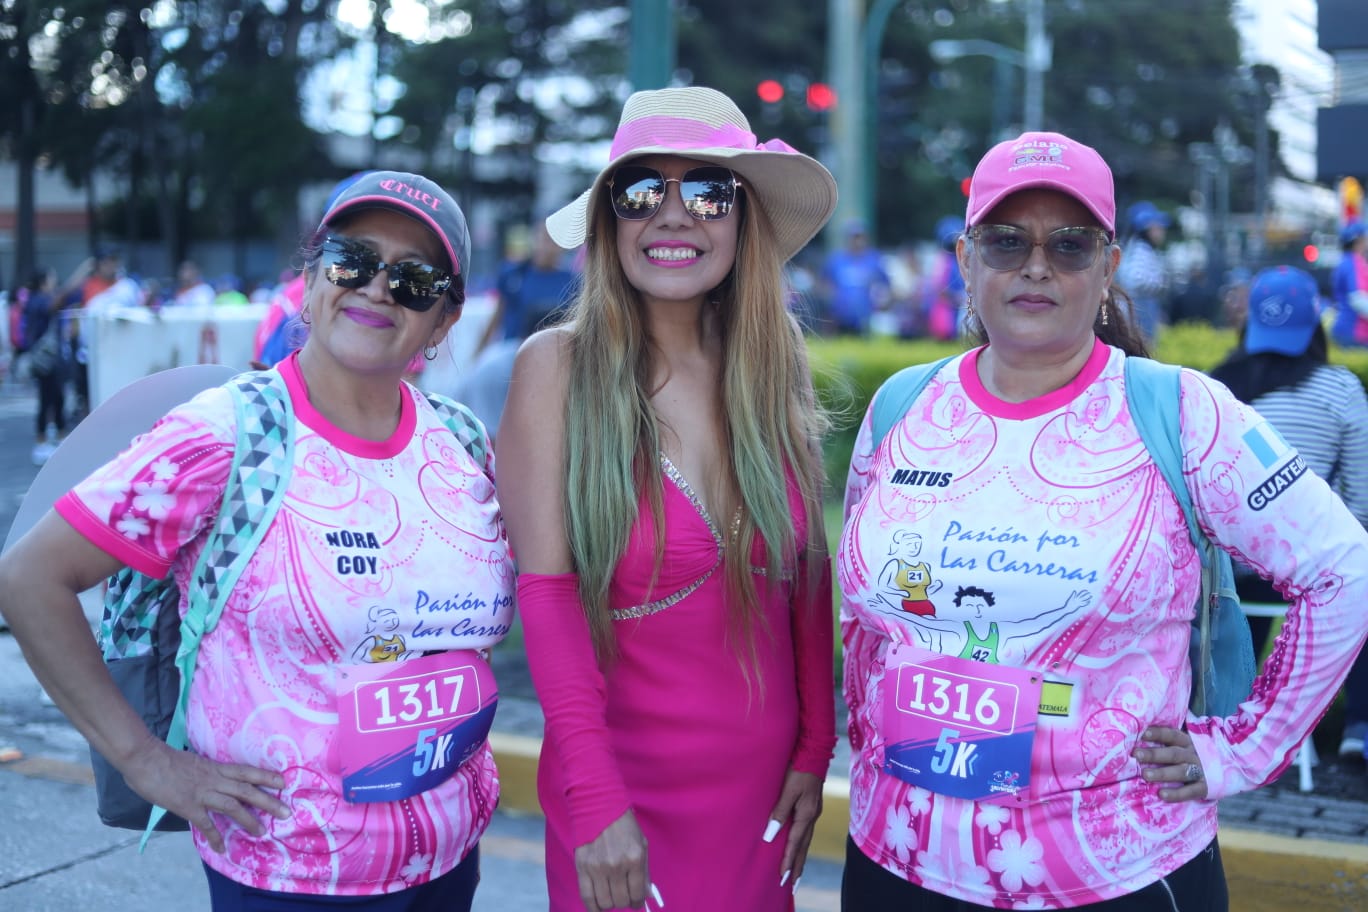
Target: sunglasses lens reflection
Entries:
(350, 264)
(708, 193)
(1004, 247)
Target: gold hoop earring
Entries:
(305, 316)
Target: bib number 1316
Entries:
(958, 727)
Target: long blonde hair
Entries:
(772, 423)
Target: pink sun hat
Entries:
(797, 193)
(1051, 161)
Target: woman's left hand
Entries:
(800, 803)
(1174, 764)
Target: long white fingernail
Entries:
(783, 880)
(655, 894)
(795, 885)
(772, 830)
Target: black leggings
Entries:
(1198, 886)
(50, 406)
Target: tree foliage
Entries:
(201, 106)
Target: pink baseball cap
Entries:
(1049, 160)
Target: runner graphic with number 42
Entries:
(959, 727)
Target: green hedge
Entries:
(847, 371)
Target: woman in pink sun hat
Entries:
(661, 482)
(1023, 729)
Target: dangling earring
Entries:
(305, 316)
(430, 353)
(969, 304)
(1104, 313)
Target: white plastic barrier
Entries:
(125, 344)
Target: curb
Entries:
(1265, 872)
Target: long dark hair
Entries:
(1250, 376)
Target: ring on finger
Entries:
(1193, 773)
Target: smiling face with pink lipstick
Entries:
(674, 256)
(364, 329)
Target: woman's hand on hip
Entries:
(800, 804)
(612, 869)
(196, 787)
(1172, 763)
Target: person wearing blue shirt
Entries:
(854, 281)
(1348, 286)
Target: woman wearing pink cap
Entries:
(1023, 738)
(661, 480)
(336, 756)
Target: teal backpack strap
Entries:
(1154, 395)
(263, 457)
(467, 428)
(898, 392)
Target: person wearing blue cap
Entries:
(1143, 273)
(1349, 283)
(1280, 369)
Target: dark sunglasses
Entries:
(1007, 247)
(708, 192)
(351, 264)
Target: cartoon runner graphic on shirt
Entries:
(958, 635)
(376, 647)
(905, 583)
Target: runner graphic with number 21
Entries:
(958, 727)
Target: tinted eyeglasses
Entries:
(351, 264)
(708, 192)
(1007, 247)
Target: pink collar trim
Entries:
(357, 446)
(1031, 408)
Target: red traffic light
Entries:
(1311, 253)
(821, 97)
(770, 91)
(964, 185)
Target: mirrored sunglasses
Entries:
(1007, 247)
(708, 193)
(351, 264)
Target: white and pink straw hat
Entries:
(797, 193)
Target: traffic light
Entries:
(1351, 199)
(820, 96)
(770, 91)
(1311, 253)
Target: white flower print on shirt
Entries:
(164, 469)
(1017, 860)
(937, 868)
(991, 817)
(898, 833)
(132, 527)
(152, 498)
(418, 865)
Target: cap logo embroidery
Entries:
(1274, 311)
(399, 188)
(1028, 154)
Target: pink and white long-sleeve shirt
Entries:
(1041, 536)
(382, 552)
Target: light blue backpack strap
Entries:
(898, 392)
(1153, 395)
(467, 428)
(263, 457)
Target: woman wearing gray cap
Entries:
(307, 772)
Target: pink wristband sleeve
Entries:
(813, 644)
(570, 686)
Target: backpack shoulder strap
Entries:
(1153, 392)
(263, 456)
(467, 428)
(898, 393)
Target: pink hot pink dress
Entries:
(673, 728)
